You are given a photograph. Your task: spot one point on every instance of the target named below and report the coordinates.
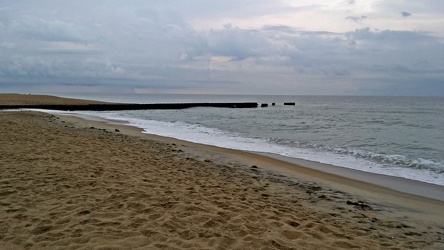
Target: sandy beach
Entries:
(71, 183)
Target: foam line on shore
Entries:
(400, 184)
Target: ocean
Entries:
(396, 136)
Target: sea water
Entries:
(397, 136)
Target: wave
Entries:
(393, 160)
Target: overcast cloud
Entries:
(343, 47)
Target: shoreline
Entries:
(395, 183)
(262, 145)
(398, 184)
(426, 198)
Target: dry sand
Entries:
(68, 183)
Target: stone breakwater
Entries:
(129, 106)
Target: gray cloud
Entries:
(427, 7)
(41, 29)
(406, 14)
(356, 18)
(154, 46)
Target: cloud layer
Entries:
(249, 47)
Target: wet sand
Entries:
(71, 183)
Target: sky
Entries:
(299, 47)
